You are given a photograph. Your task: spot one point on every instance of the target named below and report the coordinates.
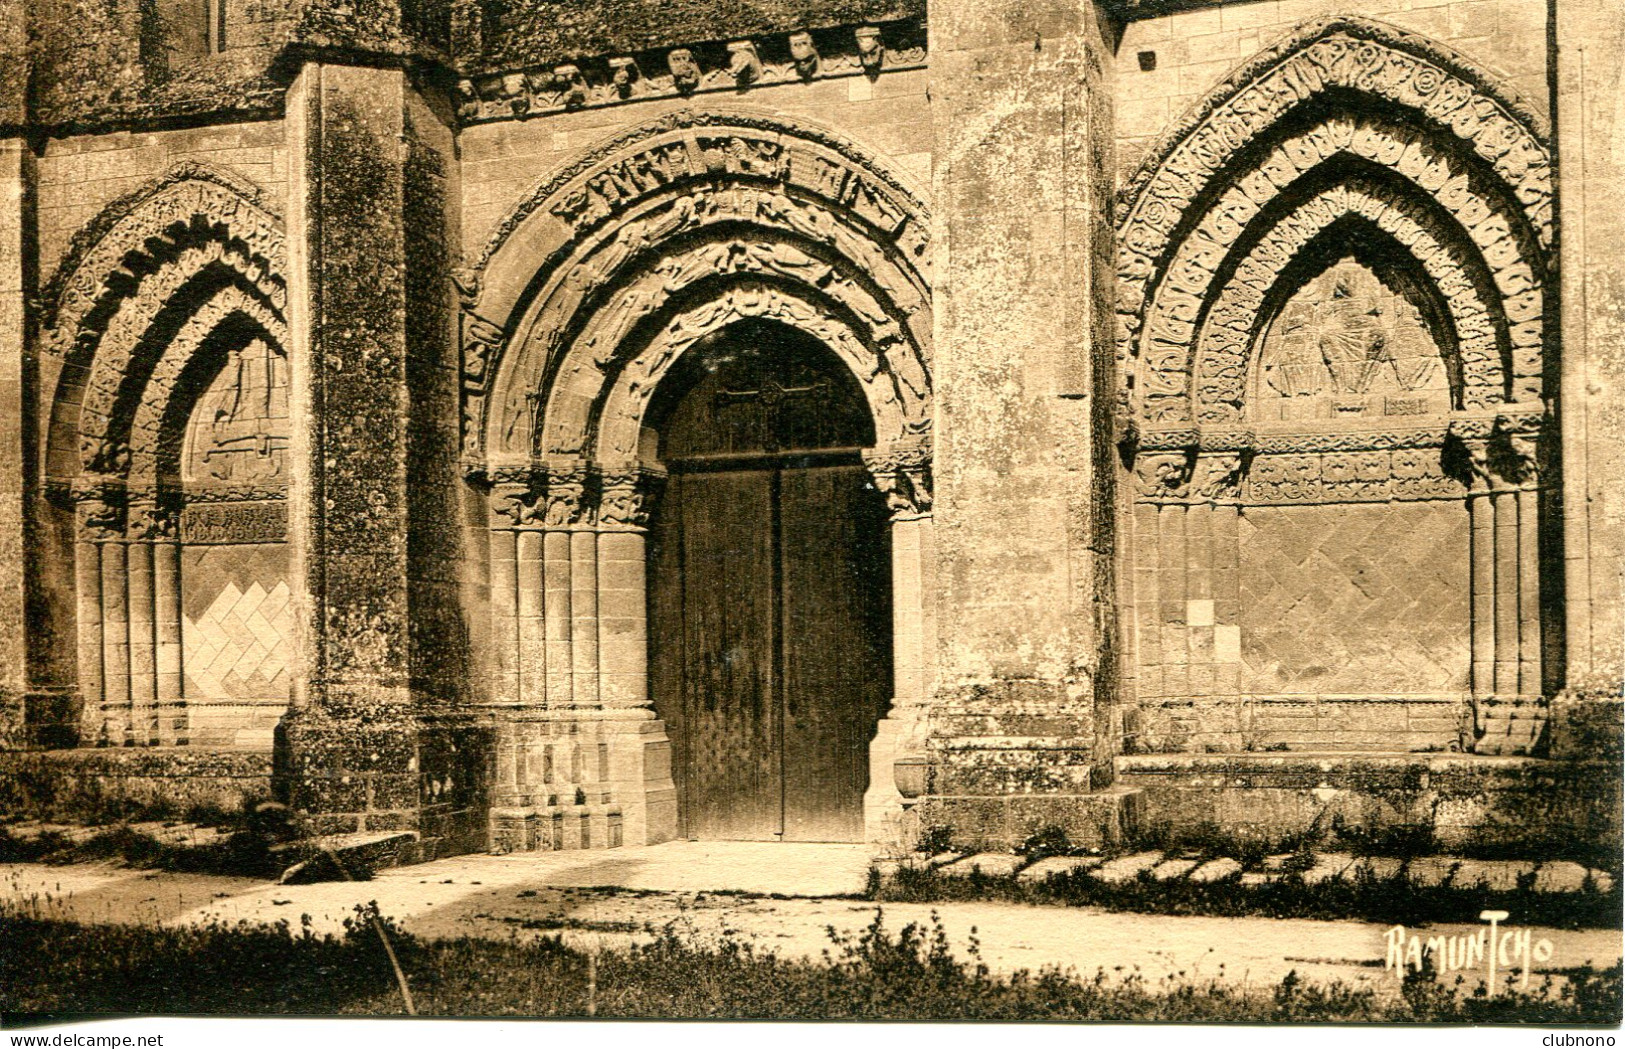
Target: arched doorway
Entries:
(769, 588)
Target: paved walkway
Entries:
(705, 889)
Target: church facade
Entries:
(543, 426)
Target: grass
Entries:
(58, 968)
(244, 852)
(1365, 897)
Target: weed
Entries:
(877, 973)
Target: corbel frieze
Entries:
(733, 65)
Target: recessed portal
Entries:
(769, 589)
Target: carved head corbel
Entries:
(569, 83)
(515, 93)
(871, 52)
(685, 71)
(624, 75)
(468, 100)
(804, 54)
(744, 65)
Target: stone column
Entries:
(350, 748)
(1589, 55)
(635, 752)
(143, 729)
(898, 765)
(98, 521)
(1482, 565)
(1022, 199)
(507, 505)
(166, 584)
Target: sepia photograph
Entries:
(1045, 512)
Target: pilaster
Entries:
(1589, 54)
(349, 747)
(16, 346)
(1022, 297)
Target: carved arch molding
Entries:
(601, 277)
(164, 379)
(1353, 140)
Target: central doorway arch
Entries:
(769, 588)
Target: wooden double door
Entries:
(769, 593)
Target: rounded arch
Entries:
(131, 280)
(604, 253)
(616, 411)
(1464, 156)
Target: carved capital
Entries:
(1163, 476)
(1217, 476)
(903, 475)
(565, 503)
(152, 523)
(514, 504)
(100, 510)
(627, 496)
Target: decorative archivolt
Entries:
(663, 223)
(1461, 182)
(144, 327)
(139, 292)
(1224, 345)
(100, 263)
(156, 432)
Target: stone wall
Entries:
(1346, 483)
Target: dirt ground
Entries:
(784, 898)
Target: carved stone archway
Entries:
(584, 297)
(1346, 125)
(148, 305)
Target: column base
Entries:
(581, 779)
(1509, 724)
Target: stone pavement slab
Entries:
(1216, 870)
(1560, 876)
(1429, 871)
(992, 864)
(1328, 865)
(1127, 868)
(1054, 866)
(1495, 875)
(1380, 867)
(1168, 870)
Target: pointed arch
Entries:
(128, 282)
(1336, 100)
